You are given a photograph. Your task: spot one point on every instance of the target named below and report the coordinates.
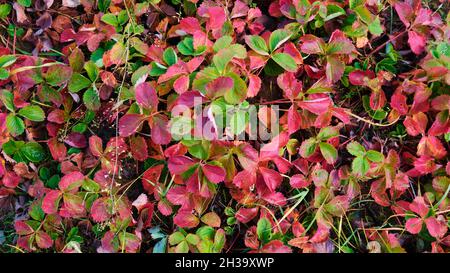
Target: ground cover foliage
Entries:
(358, 163)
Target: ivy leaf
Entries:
(285, 61)
(33, 113)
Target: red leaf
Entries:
(56, 116)
(219, 87)
(334, 69)
(179, 164)
(11, 180)
(150, 178)
(418, 206)
(76, 140)
(160, 130)
(129, 124)
(244, 179)
(359, 77)
(299, 181)
(405, 12)
(417, 124)
(43, 240)
(190, 25)
(245, 215)
(312, 44)
(71, 182)
(276, 246)
(108, 78)
(271, 177)
(99, 210)
(138, 147)
(294, 120)
(181, 84)
(254, 85)
(96, 146)
(51, 202)
(146, 96)
(417, 42)
(413, 225)
(57, 149)
(185, 219)
(211, 219)
(22, 228)
(436, 228)
(214, 173)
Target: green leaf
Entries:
(186, 47)
(277, 38)
(103, 5)
(122, 17)
(334, 11)
(354, 3)
(285, 61)
(360, 165)
(7, 60)
(222, 42)
(192, 239)
(24, 3)
(78, 82)
(110, 19)
(91, 99)
(79, 128)
(308, 147)
(92, 70)
(364, 14)
(170, 56)
(375, 156)
(329, 152)
(356, 149)
(239, 91)
(264, 230)
(200, 151)
(4, 74)
(258, 44)
(33, 151)
(327, 133)
(33, 113)
(90, 185)
(11, 147)
(8, 100)
(5, 9)
(375, 27)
